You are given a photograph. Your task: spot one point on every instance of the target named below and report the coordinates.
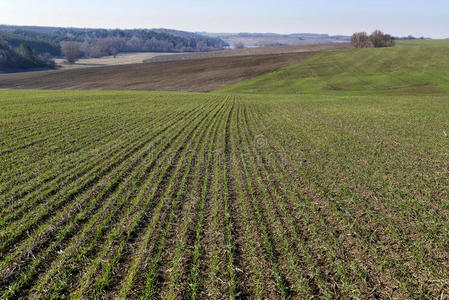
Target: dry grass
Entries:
(121, 59)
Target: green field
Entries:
(335, 193)
(380, 71)
(423, 42)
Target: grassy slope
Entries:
(423, 43)
(390, 71)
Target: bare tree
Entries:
(239, 45)
(360, 40)
(201, 45)
(114, 51)
(379, 39)
(134, 44)
(71, 51)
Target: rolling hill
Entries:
(399, 70)
(200, 75)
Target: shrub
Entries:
(239, 45)
(379, 39)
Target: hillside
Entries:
(398, 70)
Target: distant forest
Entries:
(46, 42)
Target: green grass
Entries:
(384, 71)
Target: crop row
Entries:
(202, 196)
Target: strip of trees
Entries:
(103, 42)
(377, 39)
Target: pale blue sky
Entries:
(398, 17)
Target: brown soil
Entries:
(199, 75)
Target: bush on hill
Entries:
(377, 40)
(360, 40)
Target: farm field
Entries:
(113, 194)
(195, 75)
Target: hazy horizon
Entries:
(430, 19)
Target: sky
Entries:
(428, 18)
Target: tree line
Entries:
(98, 42)
(377, 39)
(102, 42)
